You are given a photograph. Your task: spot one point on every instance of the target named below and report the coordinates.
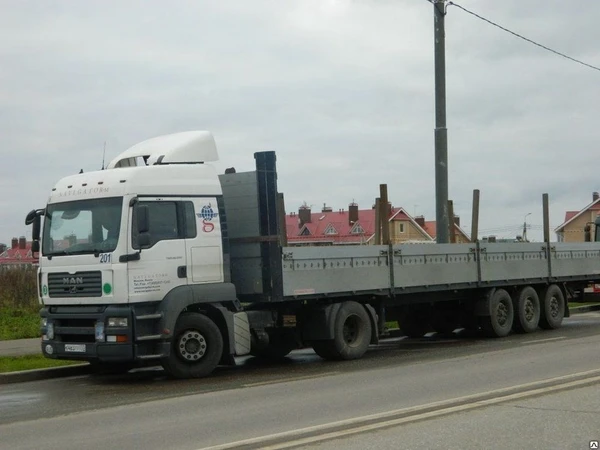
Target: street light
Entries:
(525, 227)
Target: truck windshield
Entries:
(83, 226)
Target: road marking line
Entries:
(284, 380)
(355, 425)
(427, 415)
(538, 341)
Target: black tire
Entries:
(279, 346)
(527, 310)
(324, 349)
(413, 321)
(352, 334)
(444, 322)
(552, 308)
(500, 321)
(196, 347)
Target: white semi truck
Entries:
(160, 260)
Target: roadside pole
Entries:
(441, 132)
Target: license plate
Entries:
(75, 348)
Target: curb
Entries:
(44, 374)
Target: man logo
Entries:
(595, 445)
(72, 281)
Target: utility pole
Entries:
(441, 132)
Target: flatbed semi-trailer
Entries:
(169, 263)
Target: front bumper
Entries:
(75, 334)
(102, 352)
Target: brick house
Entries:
(357, 226)
(573, 228)
(18, 254)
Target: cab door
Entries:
(204, 243)
(163, 265)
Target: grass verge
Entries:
(28, 362)
(19, 324)
(577, 304)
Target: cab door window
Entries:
(168, 220)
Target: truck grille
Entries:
(80, 284)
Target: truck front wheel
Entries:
(196, 347)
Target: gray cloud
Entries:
(342, 90)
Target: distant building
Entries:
(357, 226)
(573, 228)
(18, 254)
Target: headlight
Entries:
(50, 330)
(119, 322)
(43, 322)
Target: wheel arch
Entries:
(206, 299)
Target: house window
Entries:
(357, 229)
(330, 229)
(401, 228)
(305, 232)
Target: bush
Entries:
(18, 289)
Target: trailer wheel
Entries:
(196, 347)
(553, 308)
(527, 310)
(500, 320)
(413, 321)
(324, 349)
(352, 334)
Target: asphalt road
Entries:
(146, 410)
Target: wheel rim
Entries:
(351, 329)
(191, 345)
(554, 307)
(502, 314)
(529, 310)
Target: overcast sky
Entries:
(342, 90)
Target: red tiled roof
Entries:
(339, 220)
(430, 228)
(570, 214)
(18, 255)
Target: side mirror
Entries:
(35, 247)
(36, 227)
(143, 219)
(143, 226)
(144, 240)
(30, 216)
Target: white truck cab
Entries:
(117, 242)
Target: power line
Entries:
(519, 36)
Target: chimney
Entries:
(390, 208)
(2, 248)
(595, 196)
(22, 243)
(14, 243)
(352, 213)
(304, 215)
(457, 220)
(326, 208)
(420, 220)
